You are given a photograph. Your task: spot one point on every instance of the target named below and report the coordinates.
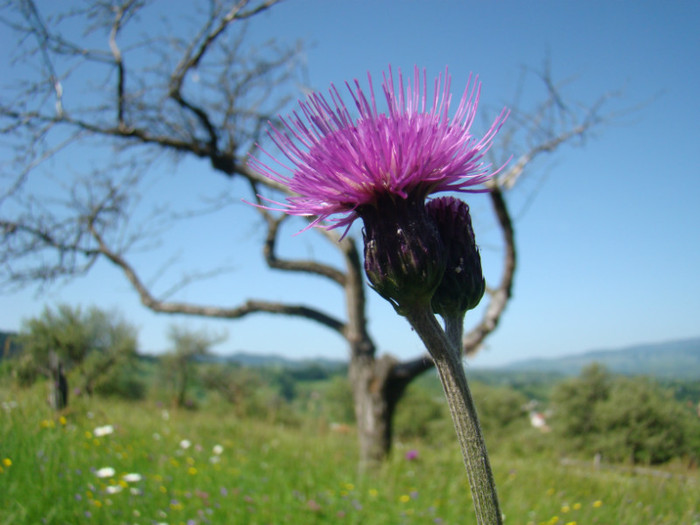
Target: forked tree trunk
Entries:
(378, 385)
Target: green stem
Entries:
(454, 329)
(448, 361)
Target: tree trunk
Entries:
(181, 399)
(59, 391)
(373, 411)
(378, 385)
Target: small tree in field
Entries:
(575, 401)
(178, 363)
(88, 345)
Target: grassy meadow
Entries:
(116, 462)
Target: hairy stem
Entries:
(448, 361)
(454, 329)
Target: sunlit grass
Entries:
(114, 462)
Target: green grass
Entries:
(272, 474)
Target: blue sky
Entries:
(608, 250)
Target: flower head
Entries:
(462, 285)
(103, 430)
(105, 472)
(340, 163)
(114, 489)
(405, 257)
(412, 454)
(132, 477)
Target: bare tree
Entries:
(203, 93)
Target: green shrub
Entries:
(337, 401)
(623, 419)
(574, 403)
(499, 407)
(641, 423)
(421, 414)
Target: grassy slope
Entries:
(272, 474)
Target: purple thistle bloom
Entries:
(412, 455)
(340, 164)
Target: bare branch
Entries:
(498, 298)
(409, 370)
(361, 344)
(270, 251)
(31, 14)
(511, 176)
(118, 60)
(192, 58)
(303, 266)
(226, 111)
(249, 307)
(65, 256)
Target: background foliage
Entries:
(618, 419)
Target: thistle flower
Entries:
(415, 149)
(381, 167)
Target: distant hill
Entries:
(274, 360)
(678, 359)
